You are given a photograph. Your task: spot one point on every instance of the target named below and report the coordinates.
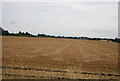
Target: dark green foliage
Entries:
(27, 34)
(3, 32)
(116, 40)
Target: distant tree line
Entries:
(27, 34)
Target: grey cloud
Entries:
(13, 22)
(88, 19)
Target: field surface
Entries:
(45, 58)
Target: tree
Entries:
(20, 32)
(27, 33)
(5, 33)
(38, 35)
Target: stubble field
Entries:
(46, 58)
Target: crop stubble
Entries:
(70, 58)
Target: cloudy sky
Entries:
(92, 19)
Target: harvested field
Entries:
(45, 58)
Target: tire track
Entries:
(48, 70)
(59, 50)
(88, 45)
(62, 71)
(7, 74)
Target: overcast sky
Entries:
(92, 19)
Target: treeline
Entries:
(6, 33)
(27, 34)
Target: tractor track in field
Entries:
(32, 76)
(35, 69)
(60, 49)
(60, 71)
